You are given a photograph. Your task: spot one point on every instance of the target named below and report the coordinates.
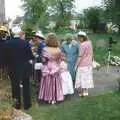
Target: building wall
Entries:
(73, 24)
(2, 10)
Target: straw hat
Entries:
(3, 28)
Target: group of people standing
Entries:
(65, 67)
(59, 68)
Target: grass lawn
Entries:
(105, 107)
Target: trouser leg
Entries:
(38, 78)
(26, 92)
(15, 83)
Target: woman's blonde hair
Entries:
(52, 40)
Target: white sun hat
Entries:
(39, 34)
(82, 33)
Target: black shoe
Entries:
(27, 107)
(16, 104)
(17, 107)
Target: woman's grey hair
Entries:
(68, 36)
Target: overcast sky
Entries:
(13, 6)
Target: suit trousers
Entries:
(20, 75)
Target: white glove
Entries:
(36, 55)
(31, 61)
(38, 66)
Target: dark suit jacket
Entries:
(17, 55)
(1, 52)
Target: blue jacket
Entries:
(40, 48)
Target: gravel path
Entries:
(105, 81)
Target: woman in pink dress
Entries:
(84, 77)
(51, 83)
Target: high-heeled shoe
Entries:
(85, 94)
(53, 102)
(80, 94)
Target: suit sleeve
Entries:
(28, 51)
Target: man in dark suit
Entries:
(17, 56)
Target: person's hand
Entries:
(36, 56)
(38, 66)
(34, 49)
(76, 67)
(31, 61)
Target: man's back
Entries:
(18, 52)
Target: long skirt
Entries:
(67, 84)
(71, 68)
(51, 88)
(84, 78)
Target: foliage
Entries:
(61, 9)
(35, 16)
(112, 10)
(38, 13)
(94, 18)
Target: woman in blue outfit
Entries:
(71, 50)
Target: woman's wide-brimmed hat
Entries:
(81, 33)
(39, 34)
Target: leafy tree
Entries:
(93, 17)
(60, 12)
(112, 10)
(35, 14)
(38, 13)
